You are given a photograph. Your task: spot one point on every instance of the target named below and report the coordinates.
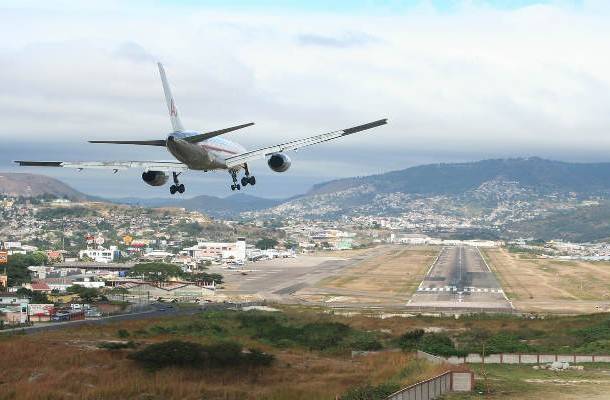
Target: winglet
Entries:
(364, 127)
(169, 100)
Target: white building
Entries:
(100, 254)
(227, 252)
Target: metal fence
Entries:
(433, 388)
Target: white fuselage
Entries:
(207, 155)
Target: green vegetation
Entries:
(206, 277)
(117, 345)
(266, 243)
(88, 295)
(35, 297)
(162, 272)
(61, 212)
(434, 343)
(156, 271)
(370, 392)
(321, 335)
(226, 354)
(17, 270)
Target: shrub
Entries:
(410, 340)
(365, 341)
(505, 342)
(439, 344)
(323, 335)
(369, 392)
(118, 345)
(194, 355)
(122, 333)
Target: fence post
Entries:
(538, 358)
(501, 358)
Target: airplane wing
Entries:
(243, 158)
(167, 166)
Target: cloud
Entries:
(472, 83)
(350, 39)
(134, 52)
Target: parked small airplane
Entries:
(201, 151)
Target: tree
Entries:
(17, 267)
(266, 243)
(35, 297)
(205, 277)
(156, 272)
(88, 295)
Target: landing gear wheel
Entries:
(238, 187)
(252, 180)
(244, 181)
(173, 189)
(232, 187)
(181, 188)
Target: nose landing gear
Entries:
(177, 186)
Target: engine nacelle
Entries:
(155, 178)
(279, 162)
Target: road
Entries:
(459, 279)
(158, 311)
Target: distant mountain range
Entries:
(214, 206)
(512, 197)
(434, 179)
(32, 185)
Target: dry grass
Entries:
(397, 270)
(68, 364)
(539, 284)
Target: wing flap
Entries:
(240, 159)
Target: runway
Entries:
(458, 280)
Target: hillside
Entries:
(32, 185)
(545, 176)
(490, 198)
(230, 206)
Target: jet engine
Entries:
(279, 162)
(154, 178)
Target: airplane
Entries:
(201, 151)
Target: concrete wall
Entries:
(516, 358)
(462, 381)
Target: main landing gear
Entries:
(245, 181)
(177, 186)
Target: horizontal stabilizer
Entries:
(208, 135)
(160, 142)
(168, 166)
(39, 163)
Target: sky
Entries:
(457, 80)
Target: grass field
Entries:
(70, 364)
(539, 284)
(521, 382)
(397, 271)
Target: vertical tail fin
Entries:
(171, 104)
